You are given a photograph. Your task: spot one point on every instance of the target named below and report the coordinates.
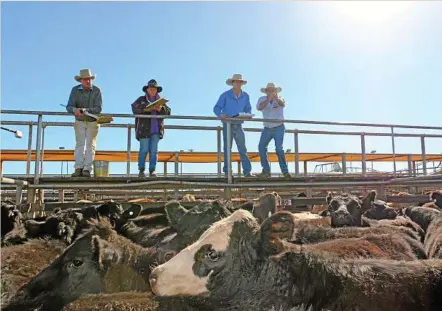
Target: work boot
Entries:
(152, 173)
(141, 174)
(250, 175)
(78, 173)
(287, 175)
(86, 173)
(264, 175)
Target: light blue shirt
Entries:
(231, 105)
(272, 111)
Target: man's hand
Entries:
(157, 108)
(271, 96)
(78, 112)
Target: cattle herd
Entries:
(355, 253)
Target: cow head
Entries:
(225, 257)
(346, 210)
(268, 205)
(11, 218)
(63, 225)
(98, 261)
(190, 226)
(379, 210)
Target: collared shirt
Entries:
(231, 105)
(154, 124)
(271, 111)
(90, 99)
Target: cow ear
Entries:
(274, 230)
(328, 198)
(103, 253)
(174, 211)
(324, 213)
(372, 195)
(133, 211)
(33, 227)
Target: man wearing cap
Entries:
(272, 107)
(149, 131)
(85, 97)
(230, 104)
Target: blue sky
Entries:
(358, 61)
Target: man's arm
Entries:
(71, 102)
(165, 110)
(248, 107)
(281, 101)
(219, 106)
(137, 107)
(98, 104)
(262, 103)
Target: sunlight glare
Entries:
(371, 13)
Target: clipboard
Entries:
(159, 102)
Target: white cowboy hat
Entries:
(236, 77)
(272, 85)
(84, 73)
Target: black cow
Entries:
(67, 224)
(346, 210)
(380, 210)
(236, 262)
(12, 229)
(421, 215)
(100, 260)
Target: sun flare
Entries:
(371, 13)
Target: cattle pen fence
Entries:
(35, 181)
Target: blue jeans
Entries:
(240, 140)
(148, 145)
(276, 133)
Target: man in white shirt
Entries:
(272, 107)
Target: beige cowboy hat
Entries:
(84, 73)
(236, 77)
(271, 85)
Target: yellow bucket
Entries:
(101, 168)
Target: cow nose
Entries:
(152, 279)
(341, 212)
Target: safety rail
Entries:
(41, 125)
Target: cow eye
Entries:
(77, 263)
(169, 256)
(212, 255)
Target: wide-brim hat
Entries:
(272, 85)
(236, 77)
(84, 74)
(152, 83)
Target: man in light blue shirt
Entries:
(230, 104)
(272, 107)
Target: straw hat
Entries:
(272, 85)
(236, 77)
(84, 74)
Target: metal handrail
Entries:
(207, 118)
(41, 126)
(199, 128)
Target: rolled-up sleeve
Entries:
(260, 100)
(98, 103)
(219, 106)
(248, 106)
(71, 102)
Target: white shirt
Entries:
(272, 111)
